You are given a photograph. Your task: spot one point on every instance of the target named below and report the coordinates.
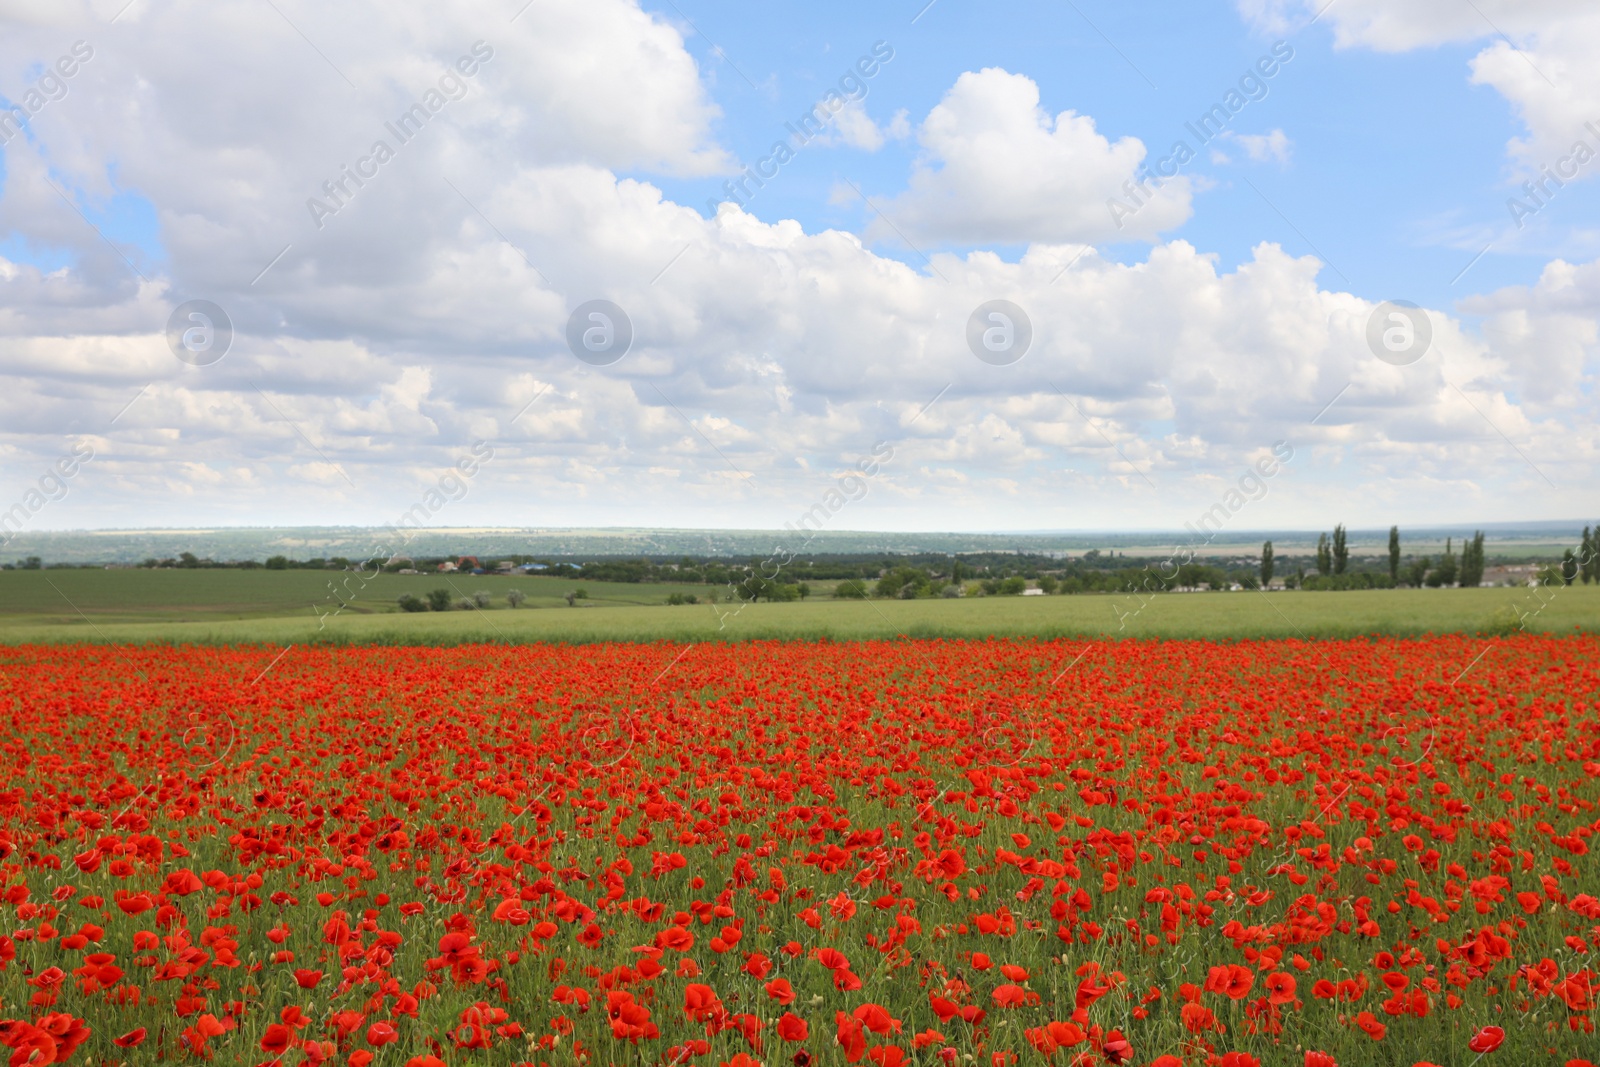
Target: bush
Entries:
(412, 603)
(850, 589)
(515, 598)
(482, 598)
(1013, 586)
(439, 600)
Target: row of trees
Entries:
(1333, 564)
(444, 600)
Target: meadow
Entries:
(229, 606)
(1003, 852)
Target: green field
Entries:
(297, 606)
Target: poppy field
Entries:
(945, 852)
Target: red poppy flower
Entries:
(131, 1039)
(792, 1028)
(1487, 1039)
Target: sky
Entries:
(901, 266)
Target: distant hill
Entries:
(243, 543)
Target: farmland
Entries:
(235, 606)
(1013, 851)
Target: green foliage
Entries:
(1266, 563)
(277, 563)
(1345, 582)
(1394, 554)
(1340, 550)
(1472, 562)
(411, 603)
(1449, 568)
(439, 600)
(900, 579)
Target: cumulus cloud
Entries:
(996, 167)
(430, 311)
(1538, 54)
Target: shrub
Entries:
(412, 603)
(439, 600)
(515, 598)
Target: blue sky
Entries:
(1397, 178)
(1397, 164)
(775, 340)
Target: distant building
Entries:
(1033, 592)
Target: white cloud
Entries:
(853, 126)
(421, 318)
(996, 167)
(1538, 54)
(1274, 147)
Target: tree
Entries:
(439, 600)
(1569, 567)
(515, 598)
(1048, 584)
(482, 598)
(1324, 555)
(1586, 560)
(1394, 554)
(1448, 567)
(1341, 551)
(277, 563)
(572, 600)
(1417, 572)
(412, 603)
(1472, 562)
(1266, 564)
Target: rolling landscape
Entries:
(673, 533)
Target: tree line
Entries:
(1333, 569)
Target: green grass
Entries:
(66, 597)
(284, 607)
